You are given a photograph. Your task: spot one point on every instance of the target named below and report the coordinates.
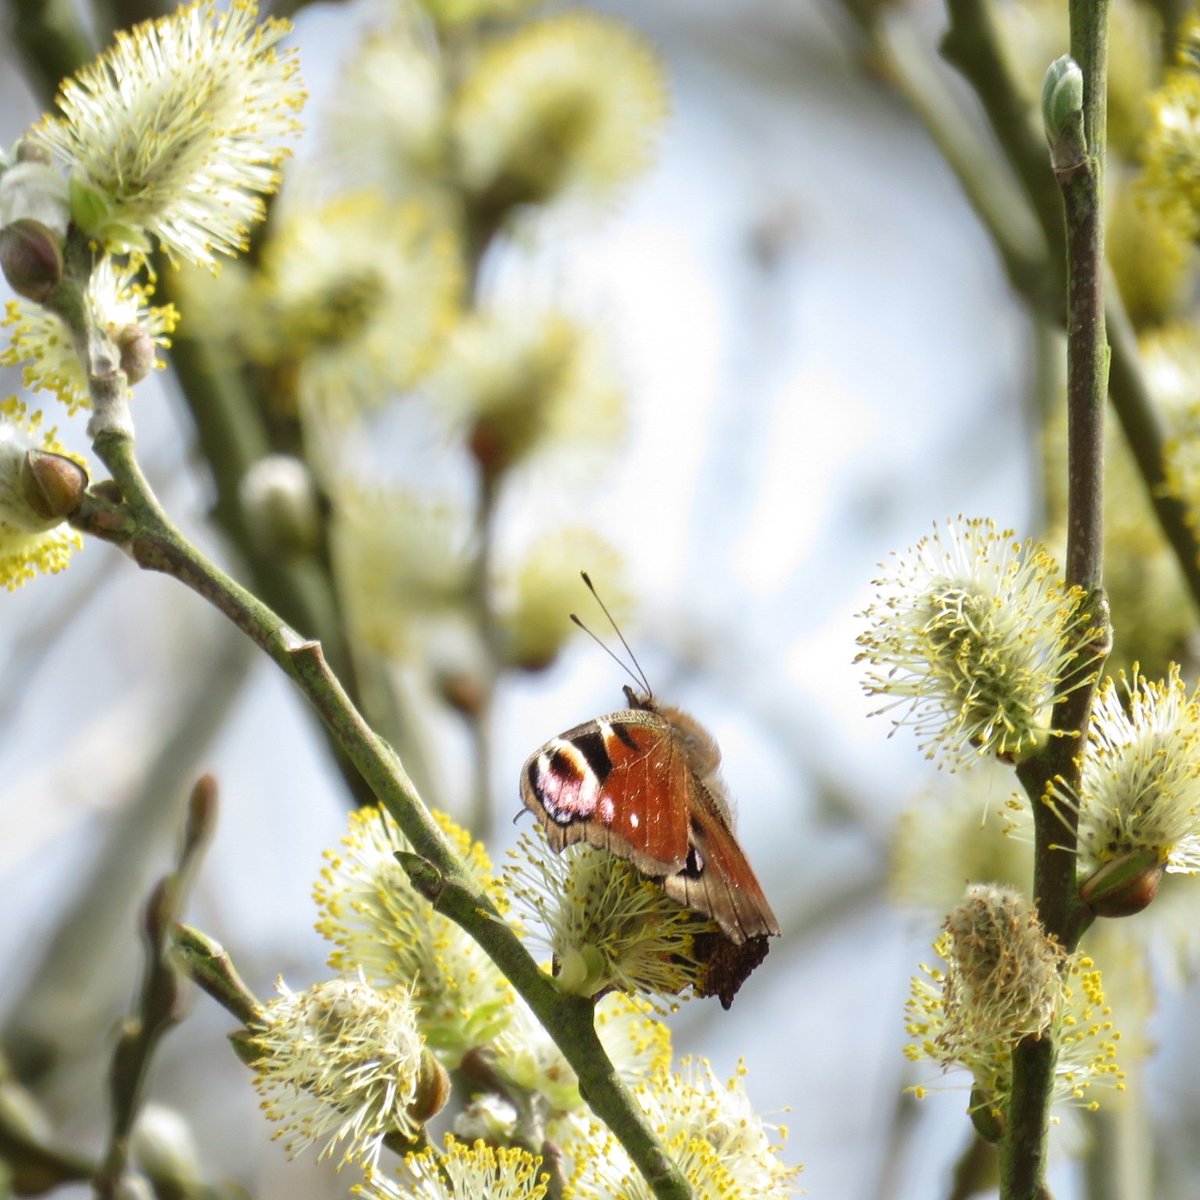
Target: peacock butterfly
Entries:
(643, 784)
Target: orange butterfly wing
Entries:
(614, 783)
(717, 880)
(625, 783)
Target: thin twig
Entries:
(482, 708)
(210, 968)
(973, 47)
(161, 1002)
(1078, 152)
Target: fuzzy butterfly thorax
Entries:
(643, 784)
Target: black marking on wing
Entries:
(623, 733)
(561, 765)
(591, 746)
(694, 863)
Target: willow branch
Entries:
(972, 46)
(31, 1162)
(227, 416)
(1077, 153)
(138, 524)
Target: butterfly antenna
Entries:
(635, 673)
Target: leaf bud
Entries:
(30, 149)
(163, 1148)
(433, 1090)
(1062, 111)
(53, 484)
(279, 498)
(488, 1116)
(462, 689)
(31, 255)
(986, 1117)
(137, 350)
(1124, 886)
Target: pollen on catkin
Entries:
(1004, 980)
(567, 106)
(339, 1063)
(352, 300)
(724, 1149)
(606, 925)
(384, 928)
(1139, 788)
(973, 638)
(1170, 153)
(175, 131)
(39, 342)
(462, 1171)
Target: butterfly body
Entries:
(643, 783)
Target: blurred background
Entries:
(818, 356)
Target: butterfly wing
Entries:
(716, 879)
(625, 783)
(617, 783)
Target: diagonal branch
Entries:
(137, 523)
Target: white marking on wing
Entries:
(567, 786)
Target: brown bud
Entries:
(53, 484)
(1124, 886)
(201, 815)
(539, 659)
(137, 351)
(31, 256)
(462, 690)
(433, 1090)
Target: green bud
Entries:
(1062, 111)
(986, 1117)
(581, 971)
(89, 206)
(92, 211)
(1062, 94)
(163, 1148)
